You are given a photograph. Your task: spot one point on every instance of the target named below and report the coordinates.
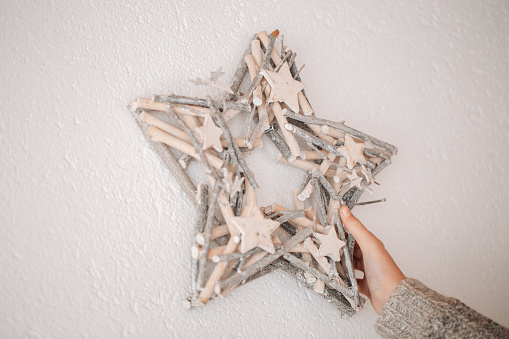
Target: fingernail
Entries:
(346, 211)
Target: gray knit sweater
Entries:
(415, 311)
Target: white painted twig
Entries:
(253, 71)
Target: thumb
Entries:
(356, 228)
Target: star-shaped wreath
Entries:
(236, 240)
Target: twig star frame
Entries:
(237, 241)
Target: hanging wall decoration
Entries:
(236, 240)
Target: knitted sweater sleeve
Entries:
(416, 311)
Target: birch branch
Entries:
(201, 220)
(348, 258)
(178, 99)
(278, 141)
(207, 237)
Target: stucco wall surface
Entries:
(95, 232)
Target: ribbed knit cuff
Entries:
(416, 311)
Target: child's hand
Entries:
(381, 274)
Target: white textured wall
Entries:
(95, 232)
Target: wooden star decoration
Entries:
(353, 152)
(232, 186)
(255, 231)
(284, 87)
(330, 245)
(214, 76)
(210, 134)
(355, 180)
(235, 240)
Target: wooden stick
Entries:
(340, 135)
(342, 127)
(352, 196)
(253, 71)
(302, 186)
(236, 255)
(217, 232)
(319, 206)
(256, 51)
(261, 126)
(370, 202)
(278, 141)
(300, 249)
(299, 205)
(325, 184)
(308, 223)
(158, 135)
(265, 64)
(322, 169)
(150, 105)
(348, 258)
(169, 161)
(151, 120)
(239, 75)
(196, 252)
(201, 220)
(231, 145)
(302, 222)
(290, 139)
(267, 260)
(313, 155)
(177, 99)
(264, 37)
(290, 215)
(207, 236)
(381, 166)
(312, 139)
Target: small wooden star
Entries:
(199, 82)
(353, 152)
(232, 186)
(329, 244)
(255, 230)
(214, 76)
(355, 180)
(210, 134)
(284, 87)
